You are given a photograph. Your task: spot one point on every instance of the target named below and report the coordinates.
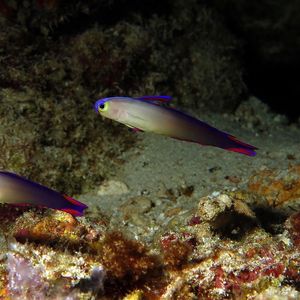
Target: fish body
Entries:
(146, 115)
(17, 190)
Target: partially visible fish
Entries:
(17, 190)
(145, 114)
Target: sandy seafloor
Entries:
(158, 164)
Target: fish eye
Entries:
(102, 107)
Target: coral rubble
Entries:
(224, 250)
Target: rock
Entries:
(134, 210)
(277, 189)
(211, 206)
(112, 187)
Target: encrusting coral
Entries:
(225, 250)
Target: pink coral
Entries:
(24, 280)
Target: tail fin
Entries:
(75, 208)
(240, 147)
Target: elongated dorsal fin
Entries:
(155, 98)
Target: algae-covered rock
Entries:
(278, 190)
(51, 143)
(48, 84)
(188, 54)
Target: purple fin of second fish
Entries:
(40, 195)
(155, 98)
(78, 207)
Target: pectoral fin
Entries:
(134, 129)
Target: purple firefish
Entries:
(146, 114)
(17, 190)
